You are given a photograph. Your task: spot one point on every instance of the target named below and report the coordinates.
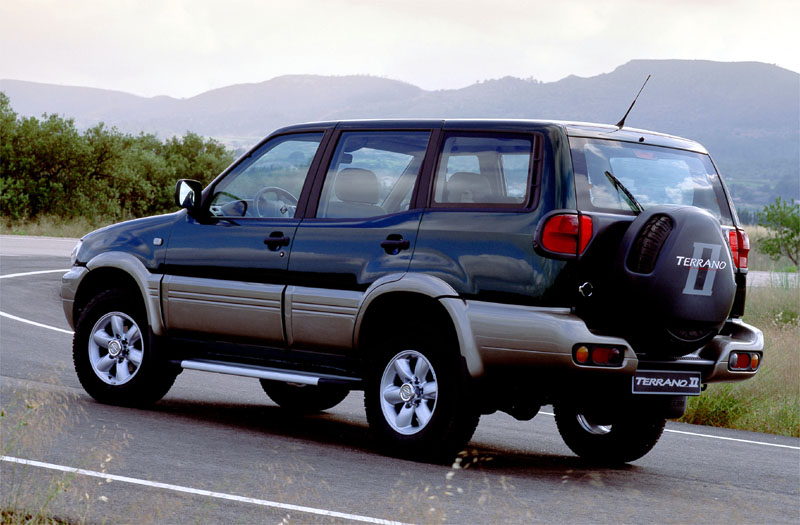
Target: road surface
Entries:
(216, 450)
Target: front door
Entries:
(226, 267)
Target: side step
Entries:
(273, 374)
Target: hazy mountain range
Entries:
(746, 113)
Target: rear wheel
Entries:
(114, 352)
(304, 399)
(624, 438)
(417, 401)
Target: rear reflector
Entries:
(567, 233)
(598, 355)
(744, 361)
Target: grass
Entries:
(50, 226)
(770, 401)
(31, 424)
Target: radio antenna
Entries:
(621, 123)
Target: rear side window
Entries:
(484, 171)
(372, 173)
(653, 175)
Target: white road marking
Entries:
(731, 439)
(34, 323)
(714, 437)
(200, 492)
(31, 273)
(28, 321)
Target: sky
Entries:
(182, 48)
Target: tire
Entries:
(648, 243)
(114, 352)
(625, 439)
(416, 399)
(304, 399)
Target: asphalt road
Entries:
(216, 450)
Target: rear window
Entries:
(653, 175)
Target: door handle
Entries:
(394, 244)
(277, 240)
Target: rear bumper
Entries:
(510, 338)
(712, 360)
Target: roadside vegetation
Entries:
(769, 402)
(51, 174)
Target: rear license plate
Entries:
(674, 383)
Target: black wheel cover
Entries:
(676, 280)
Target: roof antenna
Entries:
(621, 123)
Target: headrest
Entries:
(465, 186)
(357, 185)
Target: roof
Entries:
(572, 129)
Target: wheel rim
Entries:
(408, 392)
(116, 348)
(591, 427)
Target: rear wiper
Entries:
(632, 202)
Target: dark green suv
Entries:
(447, 268)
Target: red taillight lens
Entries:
(567, 233)
(744, 248)
(740, 247)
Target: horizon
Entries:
(180, 49)
(366, 75)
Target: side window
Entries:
(372, 173)
(268, 183)
(492, 170)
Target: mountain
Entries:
(746, 113)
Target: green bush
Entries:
(48, 168)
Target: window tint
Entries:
(372, 173)
(268, 183)
(654, 175)
(486, 170)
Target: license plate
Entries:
(674, 383)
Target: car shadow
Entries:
(337, 431)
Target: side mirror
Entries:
(188, 194)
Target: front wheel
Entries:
(113, 352)
(623, 438)
(417, 403)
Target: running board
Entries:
(273, 374)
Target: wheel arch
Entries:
(428, 298)
(122, 271)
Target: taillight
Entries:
(740, 247)
(567, 233)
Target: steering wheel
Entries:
(276, 207)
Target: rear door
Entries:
(363, 227)
(484, 205)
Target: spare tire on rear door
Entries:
(675, 279)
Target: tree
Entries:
(782, 219)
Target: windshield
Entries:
(617, 176)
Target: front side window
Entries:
(654, 175)
(269, 182)
(372, 173)
(484, 170)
